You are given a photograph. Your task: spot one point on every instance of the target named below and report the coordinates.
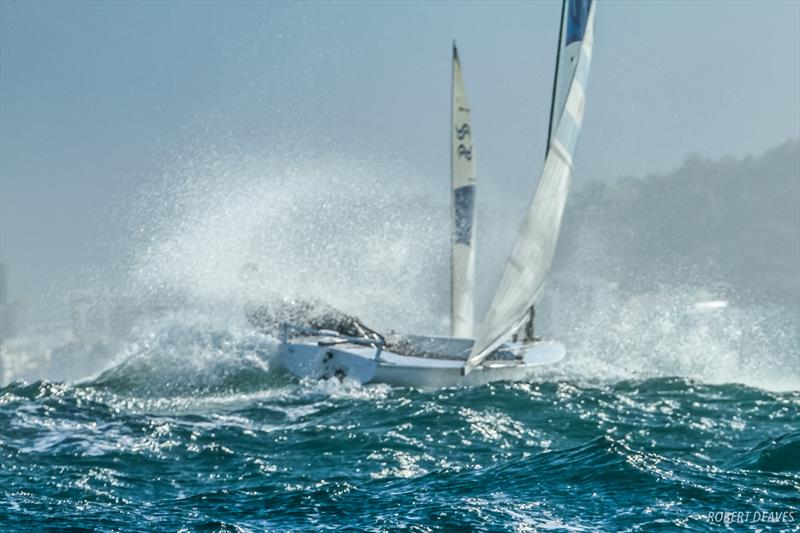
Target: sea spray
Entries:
(364, 236)
(221, 231)
(612, 336)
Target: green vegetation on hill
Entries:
(735, 222)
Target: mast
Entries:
(555, 75)
(452, 197)
(532, 254)
(528, 326)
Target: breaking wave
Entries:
(190, 360)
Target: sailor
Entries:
(529, 332)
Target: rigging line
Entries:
(555, 75)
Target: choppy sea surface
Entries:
(242, 446)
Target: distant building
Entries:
(7, 318)
(3, 284)
(8, 310)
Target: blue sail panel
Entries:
(465, 207)
(577, 19)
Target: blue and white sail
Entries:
(462, 170)
(526, 271)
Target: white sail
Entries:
(528, 265)
(462, 168)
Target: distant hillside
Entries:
(731, 222)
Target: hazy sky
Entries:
(94, 96)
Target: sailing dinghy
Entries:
(318, 342)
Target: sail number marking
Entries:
(463, 132)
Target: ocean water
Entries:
(252, 449)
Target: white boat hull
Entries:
(310, 360)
